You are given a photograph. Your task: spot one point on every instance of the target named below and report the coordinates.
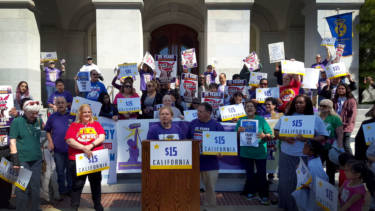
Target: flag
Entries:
(341, 28)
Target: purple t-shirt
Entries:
(321, 65)
(66, 94)
(157, 132)
(196, 128)
(145, 77)
(52, 75)
(57, 124)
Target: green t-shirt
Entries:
(259, 152)
(332, 122)
(28, 139)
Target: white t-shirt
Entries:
(88, 68)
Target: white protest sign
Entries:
(190, 115)
(234, 86)
(171, 155)
(328, 41)
(99, 161)
(249, 137)
(292, 67)
(291, 126)
(252, 61)
(188, 58)
(276, 52)
(109, 176)
(6, 104)
(83, 81)
(326, 195)
(126, 105)
(311, 78)
(189, 87)
(255, 78)
(223, 143)
(369, 133)
(78, 101)
(263, 93)
(127, 70)
(303, 174)
(20, 178)
(48, 56)
(336, 70)
(166, 68)
(149, 60)
(215, 99)
(232, 111)
(23, 178)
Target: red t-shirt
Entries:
(342, 177)
(288, 93)
(85, 135)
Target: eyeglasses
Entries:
(127, 86)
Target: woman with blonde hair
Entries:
(334, 127)
(84, 136)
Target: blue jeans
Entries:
(50, 90)
(22, 197)
(63, 172)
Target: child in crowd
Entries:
(343, 160)
(107, 110)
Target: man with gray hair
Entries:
(25, 151)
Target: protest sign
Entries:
(128, 105)
(328, 41)
(149, 60)
(99, 161)
(188, 58)
(48, 56)
(292, 67)
(262, 93)
(276, 52)
(232, 111)
(20, 178)
(326, 195)
(311, 78)
(189, 87)
(190, 115)
(249, 137)
(219, 143)
(291, 126)
(109, 176)
(234, 86)
(6, 104)
(252, 61)
(166, 68)
(369, 133)
(215, 99)
(83, 81)
(78, 101)
(127, 70)
(303, 175)
(170, 155)
(336, 70)
(255, 78)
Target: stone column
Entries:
(20, 45)
(316, 29)
(119, 35)
(227, 34)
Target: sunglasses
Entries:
(263, 83)
(150, 86)
(127, 86)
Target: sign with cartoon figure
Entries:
(166, 68)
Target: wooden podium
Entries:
(170, 189)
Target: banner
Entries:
(127, 70)
(291, 126)
(249, 137)
(78, 101)
(219, 143)
(255, 78)
(292, 67)
(261, 94)
(311, 78)
(215, 99)
(230, 112)
(149, 60)
(189, 87)
(341, 28)
(83, 81)
(171, 155)
(369, 133)
(48, 56)
(6, 103)
(276, 52)
(328, 41)
(99, 161)
(128, 105)
(336, 70)
(252, 61)
(166, 68)
(326, 195)
(189, 59)
(234, 86)
(190, 115)
(109, 176)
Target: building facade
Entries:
(116, 31)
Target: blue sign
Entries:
(341, 28)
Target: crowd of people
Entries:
(332, 103)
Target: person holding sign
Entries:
(210, 74)
(97, 87)
(261, 108)
(150, 99)
(89, 66)
(107, 110)
(147, 74)
(328, 91)
(127, 91)
(165, 129)
(209, 164)
(250, 155)
(52, 74)
(289, 90)
(292, 149)
(360, 142)
(25, 151)
(84, 136)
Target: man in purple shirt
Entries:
(52, 74)
(60, 91)
(209, 164)
(56, 127)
